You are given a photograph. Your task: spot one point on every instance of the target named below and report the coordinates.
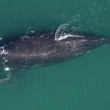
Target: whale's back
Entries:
(41, 51)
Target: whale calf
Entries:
(43, 50)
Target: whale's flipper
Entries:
(7, 78)
(3, 79)
(11, 82)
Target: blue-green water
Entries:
(79, 84)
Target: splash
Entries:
(61, 32)
(64, 31)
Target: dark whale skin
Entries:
(42, 50)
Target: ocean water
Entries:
(78, 84)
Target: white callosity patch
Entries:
(3, 51)
(7, 69)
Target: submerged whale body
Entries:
(42, 50)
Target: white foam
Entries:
(63, 32)
(25, 37)
(66, 36)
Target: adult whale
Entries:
(42, 50)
